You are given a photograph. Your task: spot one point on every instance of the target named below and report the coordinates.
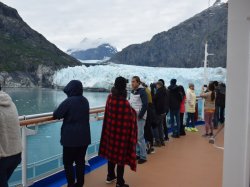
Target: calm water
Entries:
(46, 143)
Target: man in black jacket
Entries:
(161, 102)
(75, 131)
(174, 105)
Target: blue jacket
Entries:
(75, 130)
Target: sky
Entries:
(119, 22)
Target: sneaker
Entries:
(157, 144)
(175, 136)
(166, 139)
(205, 135)
(195, 129)
(183, 134)
(110, 180)
(188, 129)
(211, 134)
(152, 150)
(124, 185)
(141, 161)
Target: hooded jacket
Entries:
(161, 101)
(10, 135)
(175, 97)
(75, 130)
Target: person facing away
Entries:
(10, 139)
(139, 101)
(75, 132)
(190, 108)
(209, 108)
(161, 108)
(148, 133)
(220, 90)
(174, 105)
(165, 127)
(182, 110)
(119, 134)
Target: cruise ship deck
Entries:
(189, 161)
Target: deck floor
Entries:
(186, 162)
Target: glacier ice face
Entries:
(103, 76)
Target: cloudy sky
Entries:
(120, 22)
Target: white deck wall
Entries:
(237, 132)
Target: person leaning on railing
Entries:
(75, 131)
(10, 139)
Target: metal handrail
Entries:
(48, 117)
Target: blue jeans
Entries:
(190, 117)
(141, 143)
(175, 117)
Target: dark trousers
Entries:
(158, 130)
(148, 134)
(219, 115)
(7, 167)
(75, 155)
(165, 127)
(190, 120)
(182, 129)
(119, 171)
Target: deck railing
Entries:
(41, 119)
(47, 118)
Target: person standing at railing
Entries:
(182, 110)
(190, 108)
(139, 101)
(148, 126)
(10, 139)
(174, 105)
(209, 109)
(75, 132)
(119, 134)
(161, 104)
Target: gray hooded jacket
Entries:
(10, 135)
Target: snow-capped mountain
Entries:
(88, 49)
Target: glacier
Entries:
(103, 76)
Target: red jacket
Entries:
(182, 108)
(119, 132)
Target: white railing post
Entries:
(24, 157)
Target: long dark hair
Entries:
(119, 93)
(211, 88)
(182, 90)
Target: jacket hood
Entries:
(73, 88)
(173, 87)
(5, 99)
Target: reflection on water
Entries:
(40, 100)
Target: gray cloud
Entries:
(121, 22)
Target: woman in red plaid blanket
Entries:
(119, 133)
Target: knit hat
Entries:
(121, 83)
(163, 82)
(173, 82)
